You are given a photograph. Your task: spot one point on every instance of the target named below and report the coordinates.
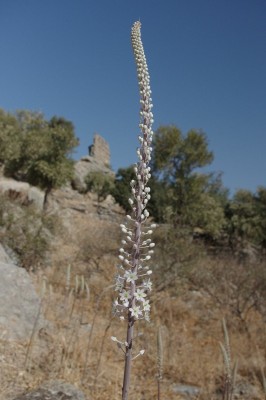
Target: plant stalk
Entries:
(128, 358)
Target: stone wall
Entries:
(100, 150)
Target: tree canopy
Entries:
(176, 156)
(35, 150)
(246, 214)
(177, 160)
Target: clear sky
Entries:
(207, 61)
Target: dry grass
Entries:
(77, 347)
(82, 326)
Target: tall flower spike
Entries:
(132, 280)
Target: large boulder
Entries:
(19, 303)
(22, 191)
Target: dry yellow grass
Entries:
(191, 351)
(77, 347)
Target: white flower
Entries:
(146, 305)
(135, 312)
(130, 285)
(130, 276)
(147, 284)
(124, 297)
(126, 303)
(140, 294)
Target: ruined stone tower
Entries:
(98, 159)
(100, 150)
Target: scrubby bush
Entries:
(100, 183)
(235, 287)
(27, 232)
(176, 255)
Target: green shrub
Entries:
(27, 232)
(100, 183)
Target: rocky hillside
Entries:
(56, 317)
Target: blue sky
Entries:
(207, 61)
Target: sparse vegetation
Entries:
(26, 232)
(100, 183)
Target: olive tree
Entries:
(42, 149)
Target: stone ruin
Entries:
(98, 159)
(100, 150)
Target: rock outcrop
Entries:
(98, 160)
(19, 303)
(22, 191)
(68, 203)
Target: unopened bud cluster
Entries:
(133, 278)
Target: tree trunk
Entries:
(46, 198)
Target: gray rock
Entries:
(190, 391)
(4, 257)
(19, 303)
(53, 390)
(8, 256)
(36, 196)
(22, 191)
